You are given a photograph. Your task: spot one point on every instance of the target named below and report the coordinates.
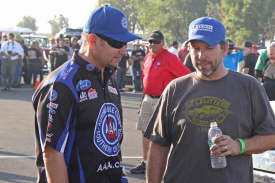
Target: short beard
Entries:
(210, 72)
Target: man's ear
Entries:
(91, 39)
(225, 49)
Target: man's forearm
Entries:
(259, 144)
(56, 169)
(157, 158)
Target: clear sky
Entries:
(77, 11)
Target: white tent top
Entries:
(15, 30)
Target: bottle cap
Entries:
(213, 124)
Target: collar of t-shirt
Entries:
(108, 71)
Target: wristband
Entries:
(242, 143)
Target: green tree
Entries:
(28, 22)
(57, 23)
(246, 19)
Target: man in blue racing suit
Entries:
(78, 113)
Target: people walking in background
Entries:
(182, 117)
(174, 48)
(11, 52)
(160, 67)
(78, 121)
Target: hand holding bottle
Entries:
(224, 146)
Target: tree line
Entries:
(252, 20)
(244, 19)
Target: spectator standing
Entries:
(136, 58)
(189, 104)
(16, 83)
(121, 72)
(174, 48)
(61, 54)
(160, 67)
(78, 121)
(266, 63)
(34, 60)
(251, 59)
(52, 52)
(12, 52)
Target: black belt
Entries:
(152, 96)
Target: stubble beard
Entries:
(209, 72)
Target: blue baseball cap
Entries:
(109, 22)
(207, 29)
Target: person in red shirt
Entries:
(160, 67)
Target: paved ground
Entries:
(17, 136)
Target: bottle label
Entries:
(210, 143)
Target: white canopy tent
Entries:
(16, 30)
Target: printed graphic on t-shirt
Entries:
(204, 110)
(108, 130)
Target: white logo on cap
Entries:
(202, 27)
(124, 23)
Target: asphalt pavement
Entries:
(17, 163)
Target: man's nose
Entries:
(201, 54)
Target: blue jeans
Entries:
(18, 73)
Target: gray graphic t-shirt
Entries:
(183, 115)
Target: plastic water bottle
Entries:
(215, 131)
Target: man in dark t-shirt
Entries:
(60, 54)
(250, 59)
(178, 127)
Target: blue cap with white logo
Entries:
(207, 29)
(109, 22)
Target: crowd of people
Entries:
(23, 64)
(79, 123)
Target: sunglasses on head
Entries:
(113, 43)
(154, 42)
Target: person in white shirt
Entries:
(12, 52)
(174, 48)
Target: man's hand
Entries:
(224, 146)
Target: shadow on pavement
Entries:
(128, 174)
(5, 153)
(10, 177)
(23, 94)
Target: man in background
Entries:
(160, 67)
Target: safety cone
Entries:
(36, 82)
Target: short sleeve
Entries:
(264, 120)
(159, 128)
(55, 116)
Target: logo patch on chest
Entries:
(108, 130)
(112, 90)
